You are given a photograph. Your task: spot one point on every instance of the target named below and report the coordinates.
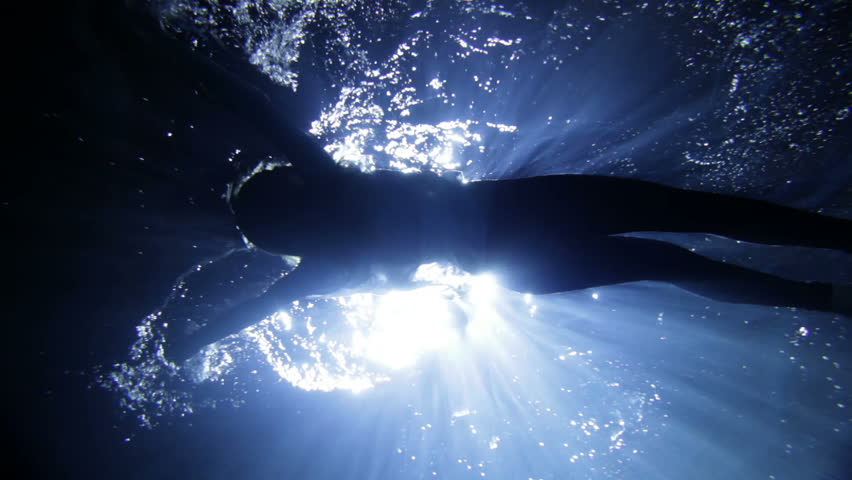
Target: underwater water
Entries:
(462, 378)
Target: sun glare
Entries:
(408, 324)
(337, 342)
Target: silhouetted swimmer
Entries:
(538, 235)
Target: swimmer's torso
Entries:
(386, 222)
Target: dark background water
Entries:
(104, 211)
(92, 226)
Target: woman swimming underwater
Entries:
(537, 235)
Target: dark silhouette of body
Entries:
(538, 235)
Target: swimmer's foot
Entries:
(841, 299)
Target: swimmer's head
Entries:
(280, 212)
(290, 174)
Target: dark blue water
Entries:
(119, 224)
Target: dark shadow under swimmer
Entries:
(538, 235)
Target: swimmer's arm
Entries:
(266, 113)
(308, 279)
(267, 117)
(228, 80)
(252, 104)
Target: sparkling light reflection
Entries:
(408, 324)
(343, 335)
(561, 381)
(481, 346)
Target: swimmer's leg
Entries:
(613, 260)
(721, 281)
(569, 205)
(654, 207)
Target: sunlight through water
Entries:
(459, 377)
(350, 342)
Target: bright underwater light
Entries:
(407, 324)
(410, 323)
(351, 341)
